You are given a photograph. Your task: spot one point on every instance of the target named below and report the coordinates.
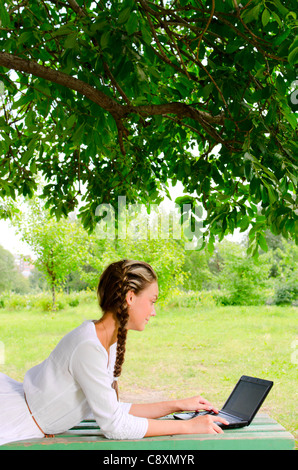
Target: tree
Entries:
(199, 275)
(242, 276)
(119, 97)
(7, 269)
(59, 247)
(145, 238)
(10, 278)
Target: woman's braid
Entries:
(122, 317)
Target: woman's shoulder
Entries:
(84, 329)
(82, 334)
(86, 349)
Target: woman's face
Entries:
(141, 307)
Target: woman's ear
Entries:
(130, 297)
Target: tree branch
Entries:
(117, 110)
(73, 4)
(14, 62)
(180, 109)
(206, 27)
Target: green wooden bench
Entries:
(264, 433)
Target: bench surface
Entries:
(264, 433)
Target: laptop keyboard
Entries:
(229, 418)
(222, 414)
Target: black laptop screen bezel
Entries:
(264, 383)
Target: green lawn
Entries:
(181, 352)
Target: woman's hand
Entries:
(205, 424)
(196, 403)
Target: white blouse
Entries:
(75, 380)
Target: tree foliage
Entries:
(243, 277)
(144, 239)
(10, 277)
(110, 98)
(59, 247)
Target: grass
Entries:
(182, 352)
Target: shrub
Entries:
(286, 294)
(242, 278)
(43, 302)
(241, 296)
(74, 302)
(16, 302)
(190, 299)
(87, 296)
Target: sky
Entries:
(11, 241)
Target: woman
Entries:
(80, 375)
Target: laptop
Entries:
(241, 406)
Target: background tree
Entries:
(117, 98)
(10, 278)
(59, 248)
(284, 258)
(243, 277)
(198, 273)
(145, 238)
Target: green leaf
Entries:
(22, 101)
(124, 15)
(281, 37)
(282, 10)
(207, 90)
(146, 35)
(98, 26)
(104, 40)
(248, 170)
(272, 195)
(24, 37)
(27, 155)
(70, 121)
(281, 85)
(265, 17)
(4, 15)
(71, 41)
(65, 29)
(277, 19)
(132, 24)
(77, 136)
(252, 14)
(262, 242)
(293, 57)
(290, 117)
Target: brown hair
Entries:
(117, 279)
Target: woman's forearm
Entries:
(155, 410)
(166, 427)
(206, 424)
(163, 408)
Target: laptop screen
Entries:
(247, 397)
